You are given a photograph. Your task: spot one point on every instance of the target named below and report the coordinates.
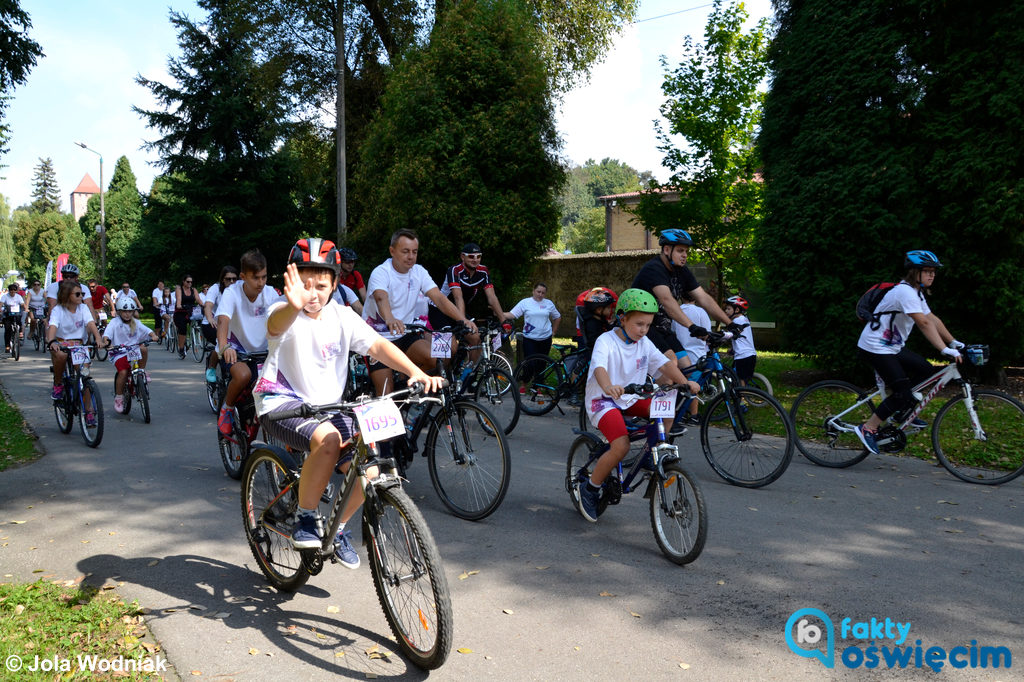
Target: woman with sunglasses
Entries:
(185, 295)
(70, 321)
(228, 276)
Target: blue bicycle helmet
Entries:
(347, 254)
(921, 259)
(675, 238)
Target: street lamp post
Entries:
(103, 217)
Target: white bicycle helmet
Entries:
(125, 303)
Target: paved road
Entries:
(554, 597)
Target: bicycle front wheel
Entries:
(270, 501)
(408, 576)
(497, 391)
(538, 378)
(142, 393)
(747, 447)
(468, 460)
(92, 434)
(993, 455)
(196, 342)
(679, 516)
(817, 430)
(213, 396)
(233, 450)
(583, 455)
(16, 344)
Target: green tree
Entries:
(464, 147)
(45, 193)
(18, 54)
(891, 126)
(123, 205)
(221, 122)
(7, 253)
(41, 237)
(582, 219)
(713, 112)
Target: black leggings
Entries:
(900, 372)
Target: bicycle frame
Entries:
(927, 389)
(650, 459)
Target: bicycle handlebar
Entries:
(307, 410)
(648, 390)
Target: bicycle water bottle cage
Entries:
(977, 354)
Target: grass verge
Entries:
(64, 628)
(17, 443)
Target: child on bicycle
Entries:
(125, 330)
(694, 348)
(309, 340)
(881, 344)
(70, 322)
(622, 356)
(744, 356)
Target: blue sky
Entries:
(84, 89)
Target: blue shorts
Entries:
(297, 432)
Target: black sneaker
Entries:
(678, 428)
(588, 501)
(868, 438)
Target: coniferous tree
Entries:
(123, 205)
(45, 193)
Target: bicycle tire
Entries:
(270, 501)
(810, 414)
(16, 344)
(213, 396)
(101, 354)
(408, 576)
(63, 411)
(999, 458)
(92, 435)
(539, 395)
(501, 361)
(468, 459)
(744, 447)
(233, 451)
(580, 465)
(680, 520)
(128, 391)
(142, 393)
(497, 391)
(37, 330)
(197, 342)
(761, 383)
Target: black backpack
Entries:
(867, 303)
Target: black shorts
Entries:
(297, 432)
(664, 341)
(209, 333)
(403, 343)
(437, 319)
(744, 368)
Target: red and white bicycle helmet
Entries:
(314, 252)
(738, 302)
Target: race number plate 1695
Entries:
(379, 420)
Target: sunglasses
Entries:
(477, 256)
(230, 279)
(77, 293)
(188, 281)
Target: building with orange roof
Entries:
(80, 196)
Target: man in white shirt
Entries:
(392, 294)
(242, 326)
(13, 306)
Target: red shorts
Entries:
(613, 426)
(122, 364)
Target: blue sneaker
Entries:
(305, 534)
(867, 437)
(919, 423)
(588, 501)
(211, 376)
(344, 550)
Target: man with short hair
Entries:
(392, 295)
(126, 290)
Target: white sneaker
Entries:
(119, 404)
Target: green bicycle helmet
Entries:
(636, 300)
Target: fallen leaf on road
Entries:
(320, 635)
(197, 673)
(38, 570)
(684, 666)
(507, 611)
(542, 568)
(253, 651)
(595, 555)
(635, 614)
(752, 508)
(953, 530)
(339, 654)
(17, 523)
(607, 594)
(153, 563)
(721, 582)
(464, 650)
(333, 609)
(947, 502)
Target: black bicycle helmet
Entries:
(347, 254)
(921, 259)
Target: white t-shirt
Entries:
(15, 300)
(349, 296)
(70, 326)
(51, 292)
(212, 296)
(36, 301)
(905, 299)
(743, 343)
(120, 334)
(691, 344)
(309, 362)
(247, 326)
(537, 317)
(403, 294)
(158, 296)
(626, 363)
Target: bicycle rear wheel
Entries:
(233, 449)
(821, 442)
(996, 458)
(270, 500)
(538, 378)
(63, 411)
(497, 391)
(747, 447)
(679, 516)
(408, 576)
(583, 454)
(468, 459)
(91, 434)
